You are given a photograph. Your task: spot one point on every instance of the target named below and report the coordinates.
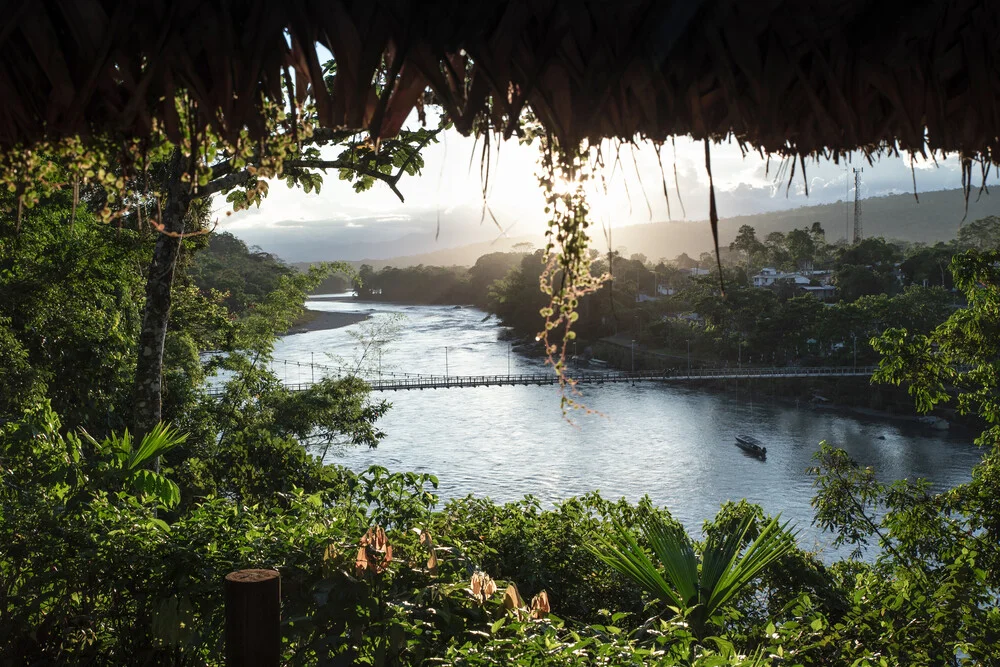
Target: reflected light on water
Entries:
(670, 442)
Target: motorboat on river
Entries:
(751, 445)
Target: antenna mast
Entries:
(847, 206)
(857, 204)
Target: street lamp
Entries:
(633, 356)
(689, 358)
(446, 362)
(855, 338)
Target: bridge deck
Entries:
(457, 381)
(616, 377)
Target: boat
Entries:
(752, 445)
(748, 443)
(935, 422)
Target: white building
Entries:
(661, 290)
(769, 276)
(821, 292)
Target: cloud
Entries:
(373, 237)
(449, 192)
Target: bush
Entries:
(544, 549)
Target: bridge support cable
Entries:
(403, 381)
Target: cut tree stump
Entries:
(253, 618)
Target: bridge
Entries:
(612, 377)
(404, 381)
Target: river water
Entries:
(672, 442)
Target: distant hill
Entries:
(461, 256)
(936, 217)
(360, 236)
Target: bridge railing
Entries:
(776, 371)
(614, 376)
(415, 381)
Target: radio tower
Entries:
(847, 206)
(857, 204)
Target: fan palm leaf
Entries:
(697, 593)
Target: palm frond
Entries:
(623, 554)
(773, 542)
(675, 552)
(155, 485)
(161, 439)
(675, 577)
(721, 553)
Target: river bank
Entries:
(858, 396)
(845, 396)
(322, 320)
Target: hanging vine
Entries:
(564, 174)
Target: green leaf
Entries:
(149, 483)
(161, 439)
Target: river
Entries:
(672, 442)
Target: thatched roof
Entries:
(794, 76)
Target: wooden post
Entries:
(253, 618)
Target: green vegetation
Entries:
(699, 591)
(675, 306)
(435, 284)
(113, 548)
(66, 291)
(245, 275)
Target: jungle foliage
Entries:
(669, 308)
(435, 284)
(113, 548)
(245, 275)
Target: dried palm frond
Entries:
(790, 77)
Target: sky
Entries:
(443, 205)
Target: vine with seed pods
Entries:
(564, 174)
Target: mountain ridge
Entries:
(936, 217)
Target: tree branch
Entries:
(224, 178)
(223, 168)
(388, 179)
(233, 179)
(325, 135)
(414, 153)
(227, 182)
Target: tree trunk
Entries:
(149, 369)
